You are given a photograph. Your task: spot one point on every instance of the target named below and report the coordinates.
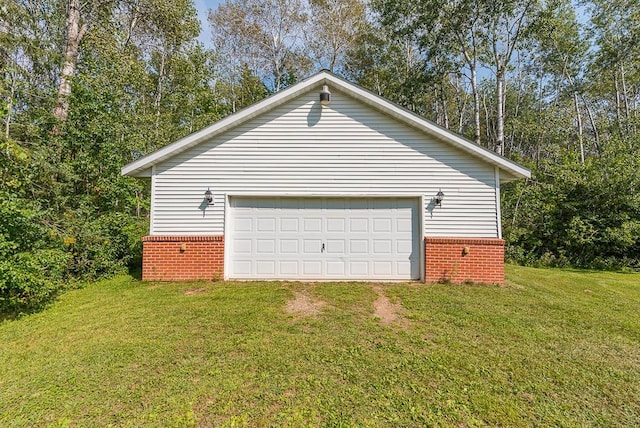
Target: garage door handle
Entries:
(322, 248)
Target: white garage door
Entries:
(324, 238)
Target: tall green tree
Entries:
(262, 35)
(464, 37)
(615, 68)
(449, 34)
(137, 81)
(332, 30)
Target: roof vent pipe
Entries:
(325, 96)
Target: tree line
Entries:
(88, 86)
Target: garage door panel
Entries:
(335, 246)
(241, 268)
(403, 225)
(403, 267)
(312, 246)
(266, 224)
(312, 268)
(336, 268)
(289, 246)
(382, 268)
(358, 246)
(265, 246)
(312, 225)
(243, 246)
(335, 225)
(382, 225)
(266, 267)
(359, 225)
(324, 238)
(404, 246)
(382, 246)
(289, 268)
(242, 224)
(359, 269)
(289, 224)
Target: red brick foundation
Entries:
(175, 258)
(464, 259)
(179, 258)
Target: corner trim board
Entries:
(152, 203)
(498, 207)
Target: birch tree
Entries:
(79, 17)
(615, 25)
(332, 30)
(506, 22)
(561, 52)
(265, 35)
(449, 32)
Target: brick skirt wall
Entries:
(169, 258)
(174, 258)
(464, 259)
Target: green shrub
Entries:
(577, 215)
(29, 280)
(33, 264)
(104, 245)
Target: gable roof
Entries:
(142, 166)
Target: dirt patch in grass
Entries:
(194, 291)
(387, 311)
(304, 305)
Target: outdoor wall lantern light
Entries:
(325, 96)
(208, 196)
(439, 198)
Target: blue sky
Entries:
(203, 6)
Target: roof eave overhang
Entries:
(142, 166)
(410, 118)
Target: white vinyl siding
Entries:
(347, 149)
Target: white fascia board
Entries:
(424, 125)
(139, 167)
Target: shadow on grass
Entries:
(12, 314)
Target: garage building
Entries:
(325, 181)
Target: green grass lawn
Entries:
(555, 347)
